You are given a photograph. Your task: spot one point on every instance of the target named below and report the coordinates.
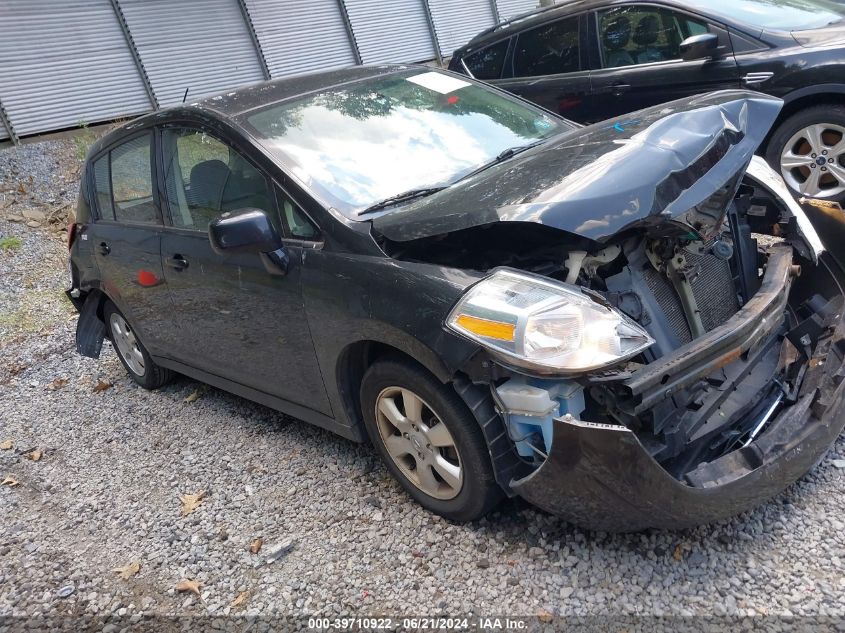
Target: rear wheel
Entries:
(808, 149)
(429, 440)
(131, 351)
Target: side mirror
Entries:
(243, 231)
(700, 47)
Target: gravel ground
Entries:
(115, 460)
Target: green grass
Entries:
(10, 243)
(83, 140)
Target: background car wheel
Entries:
(429, 440)
(132, 353)
(808, 150)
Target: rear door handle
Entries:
(619, 89)
(177, 261)
(105, 249)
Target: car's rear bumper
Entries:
(600, 476)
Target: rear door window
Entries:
(123, 182)
(552, 49)
(488, 62)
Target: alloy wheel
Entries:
(126, 343)
(419, 443)
(813, 161)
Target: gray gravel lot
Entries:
(106, 493)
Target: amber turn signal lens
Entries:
(486, 328)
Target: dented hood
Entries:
(654, 165)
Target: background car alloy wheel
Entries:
(126, 343)
(419, 443)
(813, 160)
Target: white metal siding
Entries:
(512, 8)
(458, 21)
(301, 35)
(391, 30)
(203, 45)
(65, 62)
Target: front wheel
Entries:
(133, 355)
(808, 150)
(429, 440)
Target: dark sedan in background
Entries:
(589, 60)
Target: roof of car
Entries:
(237, 101)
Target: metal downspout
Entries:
(433, 32)
(259, 52)
(8, 125)
(145, 79)
(350, 32)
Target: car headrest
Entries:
(617, 34)
(208, 179)
(647, 31)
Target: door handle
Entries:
(617, 90)
(105, 249)
(177, 261)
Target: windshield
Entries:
(358, 144)
(780, 15)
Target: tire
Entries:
(131, 352)
(476, 493)
(803, 139)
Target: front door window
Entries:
(205, 177)
(642, 34)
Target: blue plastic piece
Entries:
(564, 397)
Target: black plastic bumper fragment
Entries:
(601, 477)
(90, 329)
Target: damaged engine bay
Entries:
(681, 281)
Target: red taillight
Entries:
(71, 234)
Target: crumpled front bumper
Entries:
(601, 477)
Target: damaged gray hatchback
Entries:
(630, 325)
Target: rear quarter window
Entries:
(123, 183)
(488, 62)
(102, 188)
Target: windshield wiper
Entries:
(401, 197)
(502, 157)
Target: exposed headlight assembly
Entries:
(546, 326)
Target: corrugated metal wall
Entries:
(202, 45)
(68, 62)
(391, 30)
(301, 35)
(457, 22)
(511, 8)
(65, 62)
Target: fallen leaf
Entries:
(129, 570)
(255, 546)
(544, 616)
(193, 397)
(101, 385)
(191, 502)
(35, 455)
(9, 481)
(678, 554)
(7, 445)
(189, 585)
(239, 599)
(57, 383)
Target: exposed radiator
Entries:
(713, 289)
